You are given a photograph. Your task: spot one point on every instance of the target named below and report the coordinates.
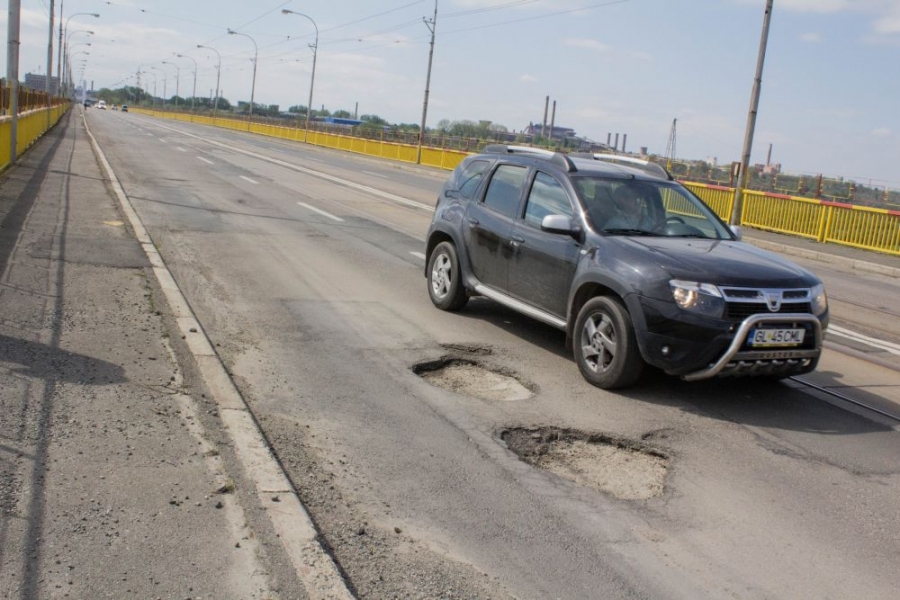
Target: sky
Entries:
(830, 95)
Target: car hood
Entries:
(722, 262)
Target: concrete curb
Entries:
(292, 524)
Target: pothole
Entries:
(467, 377)
(621, 468)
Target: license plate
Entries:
(776, 337)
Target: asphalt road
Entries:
(302, 266)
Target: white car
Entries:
(101, 104)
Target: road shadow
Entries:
(42, 361)
(747, 401)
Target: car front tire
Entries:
(605, 346)
(445, 279)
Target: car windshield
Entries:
(633, 207)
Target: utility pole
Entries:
(744, 174)
(432, 25)
(48, 88)
(59, 50)
(12, 75)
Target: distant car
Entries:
(102, 105)
(628, 262)
(124, 108)
(115, 107)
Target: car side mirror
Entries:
(736, 230)
(560, 224)
(451, 193)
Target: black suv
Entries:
(629, 263)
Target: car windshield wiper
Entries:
(627, 231)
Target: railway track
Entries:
(892, 415)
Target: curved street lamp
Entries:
(65, 49)
(255, 57)
(62, 32)
(218, 76)
(194, 93)
(312, 80)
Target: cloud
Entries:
(881, 132)
(811, 37)
(890, 22)
(526, 78)
(586, 44)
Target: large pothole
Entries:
(469, 378)
(621, 468)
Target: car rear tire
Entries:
(444, 278)
(605, 346)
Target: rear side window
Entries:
(505, 189)
(547, 197)
(470, 177)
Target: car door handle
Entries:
(473, 221)
(516, 241)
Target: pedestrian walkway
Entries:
(112, 484)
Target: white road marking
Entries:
(418, 255)
(858, 337)
(180, 149)
(320, 211)
(151, 135)
(206, 161)
(344, 182)
(248, 179)
(163, 141)
(375, 174)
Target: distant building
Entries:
(556, 132)
(39, 83)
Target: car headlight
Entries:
(818, 300)
(700, 298)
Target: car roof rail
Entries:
(555, 157)
(644, 165)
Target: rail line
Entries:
(845, 398)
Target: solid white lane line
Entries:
(876, 343)
(248, 179)
(206, 161)
(321, 212)
(418, 255)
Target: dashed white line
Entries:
(180, 149)
(163, 141)
(248, 179)
(321, 212)
(418, 255)
(375, 174)
(206, 161)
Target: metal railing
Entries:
(863, 227)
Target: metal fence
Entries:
(825, 221)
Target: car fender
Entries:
(446, 224)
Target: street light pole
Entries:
(255, 57)
(164, 84)
(218, 76)
(62, 33)
(194, 93)
(177, 79)
(432, 25)
(312, 80)
(744, 176)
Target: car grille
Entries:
(738, 311)
(741, 303)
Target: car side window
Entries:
(470, 177)
(505, 189)
(547, 197)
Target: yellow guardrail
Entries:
(31, 125)
(850, 225)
